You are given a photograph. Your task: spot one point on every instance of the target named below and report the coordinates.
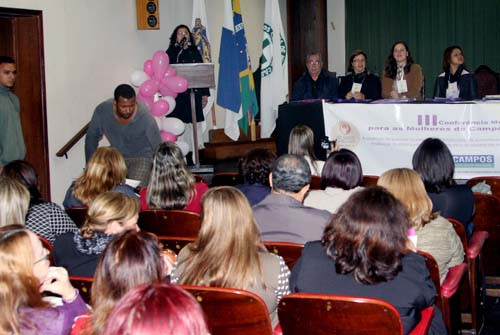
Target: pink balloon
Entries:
(160, 108)
(160, 64)
(167, 136)
(148, 67)
(171, 72)
(148, 101)
(149, 88)
(177, 84)
(167, 92)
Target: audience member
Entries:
(456, 81)
(255, 168)
(434, 163)
(364, 253)
(402, 78)
(14, 202)
(106, 171)
(301, 143)
(228, 251)
(129, 128)
(131, 259)
(11, 133)
(172, 186)
(281, 216)
(157, 309)
(315, 83)
(359, 82)
(44, 218)
(435, 234)
(109, 214)
(341, 176)
(25, 272)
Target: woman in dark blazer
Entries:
(359, 82)
(456, 81)
(364, 252)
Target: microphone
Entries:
(183, 42)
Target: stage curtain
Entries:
(428, 27)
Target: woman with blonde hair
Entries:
(109, 214)
(171, 184)
(14, 202)
(435, 234)
(301, 143)
(105, 171)
(229, 253)
(25, 272)
(131, 259)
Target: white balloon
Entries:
(173, 125)
(138, 77)
(183, 146)
(171, 103)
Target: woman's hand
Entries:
(349, 95)
(204, 101)
(57, 281)
(394, 95)
(169, 259)
(359, 96)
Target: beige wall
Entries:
(93, 45)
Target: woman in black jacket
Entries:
(359, 83)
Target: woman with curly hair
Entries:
(172, 185)
(254, 169)
(403, 79)
(109, 214)
(229, 253)
(105, 171)
(364, 252)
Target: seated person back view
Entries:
(315, 83)
(109, 214)
(281, 216)
(364, 253)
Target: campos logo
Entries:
(474, 161)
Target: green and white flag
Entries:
(274, 68)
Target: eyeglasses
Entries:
(44, 258)
(314, 62)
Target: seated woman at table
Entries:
(456, 81)
(359, 82)
(364, 252)
(341, 177)
(434, 163)
(403, 79)
(435, 234)
(171, 184)
(301, 143)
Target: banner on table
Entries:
(385, 136)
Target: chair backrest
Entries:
(315, 183)
(487, 218)
(175, 243)
(493, 181)
(319, 314)
(226, 179)
(487, 81)
(47, 245)
(460, 230)
(84, 285)
(369, 180)
(289, 251)
(231, 311)
(77, 214)
(434, 271)
(177, 223)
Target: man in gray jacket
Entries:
(130, 128)
(281, 216)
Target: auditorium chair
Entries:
(232, 311)
(77, 214)
(226, 179)
(369, 180)
(447, 293)
(47, 245)
(173, 222)
(493, 181)
(487, 81)
(289, 251)
(84, 285)
(315, 183)
(322, 314)
(174, 243)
